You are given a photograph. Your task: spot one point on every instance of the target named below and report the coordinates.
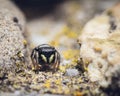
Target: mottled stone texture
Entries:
(13, 48)
(100, 46)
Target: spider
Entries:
(45, 57)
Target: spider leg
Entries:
(57, 62)
(34, 57)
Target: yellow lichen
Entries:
(65, 32)
(77, 93)
(58, 82)
(69, 33)
(16, 86)
(86, 65)
(24, 42)
(104, 55)
(54, 43)
(62, 68)
(97, 49)
(70, 54)
(47, 84)
(74, 61)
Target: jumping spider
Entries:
(45, 57)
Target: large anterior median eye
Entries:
(44, 58)
(51, 58)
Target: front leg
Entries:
(57, 62)
(34, 58)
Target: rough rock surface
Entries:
(13, 47)
(100, 46)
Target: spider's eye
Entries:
(44, 58)
(51, 58)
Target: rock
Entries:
(113, 88)
(71, 72)
(100, 46)
(13, 49)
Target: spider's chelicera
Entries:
(45, 57)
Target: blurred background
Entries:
(37, 8)
(59, 22)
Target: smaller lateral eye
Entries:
(44, 58)
(51, 58)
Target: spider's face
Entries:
(46, 57)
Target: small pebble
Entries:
(71, 72)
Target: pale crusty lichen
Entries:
(100, 46)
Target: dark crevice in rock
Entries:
(112, 22)
(113, 26)
(15, 19)
(114, 88)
